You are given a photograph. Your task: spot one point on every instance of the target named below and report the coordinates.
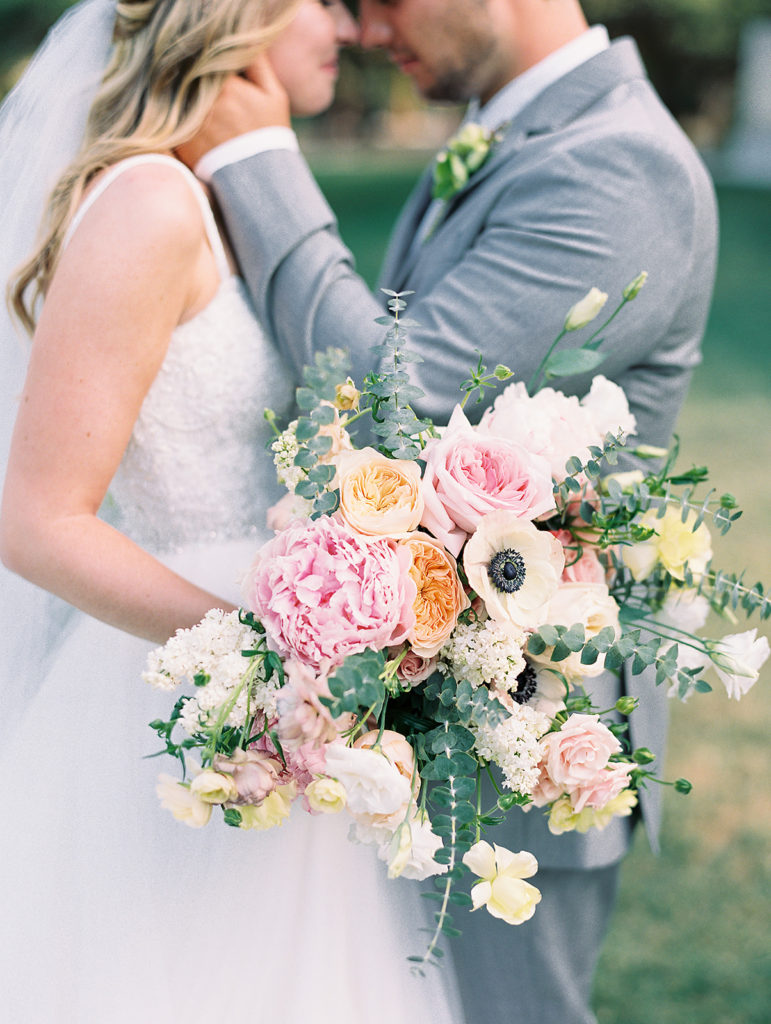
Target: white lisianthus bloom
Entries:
(608, 408)
(514, 568)
(502, 888)
(373, 784)
(214, 787)
(684, 609)
(589, 604)
(548, 423)
(186, 806)
(674, 544)
(737, 659)
(411, 851)
(585, 310)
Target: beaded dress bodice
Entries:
(196, 468)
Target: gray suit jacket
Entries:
(592, 183)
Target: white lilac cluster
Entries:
(485, 653)
(284, 449)
(211, 649)
(513, 746)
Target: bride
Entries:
(136, 489)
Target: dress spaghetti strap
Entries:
(212, 232)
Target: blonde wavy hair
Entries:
(168, 63)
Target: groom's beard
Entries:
(469, 66)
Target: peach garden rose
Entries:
(440, 595)
(379, 496)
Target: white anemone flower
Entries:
(514, 568)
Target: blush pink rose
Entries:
(413, 668)
(586, 569)
(323, 592)
(604, 787)
(469, 474)
(575, 756)
(545, 791)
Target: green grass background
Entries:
(690, 941)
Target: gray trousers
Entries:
(540, 972)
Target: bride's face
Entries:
(304, 56)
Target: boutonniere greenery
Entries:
(462, 157)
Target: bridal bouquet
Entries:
(432, 610)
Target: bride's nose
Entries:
(346, 29)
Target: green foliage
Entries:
(388, 393)
(357, 683)
(315, 400)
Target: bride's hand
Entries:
(246, 103)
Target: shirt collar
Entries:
(520, 91)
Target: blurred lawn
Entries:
(690, 942)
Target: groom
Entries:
(590, 182)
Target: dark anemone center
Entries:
(526, 685)
(507, 570)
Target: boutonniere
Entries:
(463, 155)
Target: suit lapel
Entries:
(560, 104)
(555, 108)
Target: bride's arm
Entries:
(135, 268)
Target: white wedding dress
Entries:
(112, 912)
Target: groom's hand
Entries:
(246, 103)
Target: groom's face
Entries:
(451, 49)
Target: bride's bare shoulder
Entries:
(144, 204)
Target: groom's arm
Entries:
(300, 274)
(583, 218)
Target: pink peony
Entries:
(586, 569)
(469, 474)
(323, 592)
(575, 756)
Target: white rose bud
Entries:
(586, 310)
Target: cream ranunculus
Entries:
(503, 889)
(184, 805)
(214, 787)
(379, 496)
(327, 796)
(674, 544)
(514, 568)
(589, 604)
